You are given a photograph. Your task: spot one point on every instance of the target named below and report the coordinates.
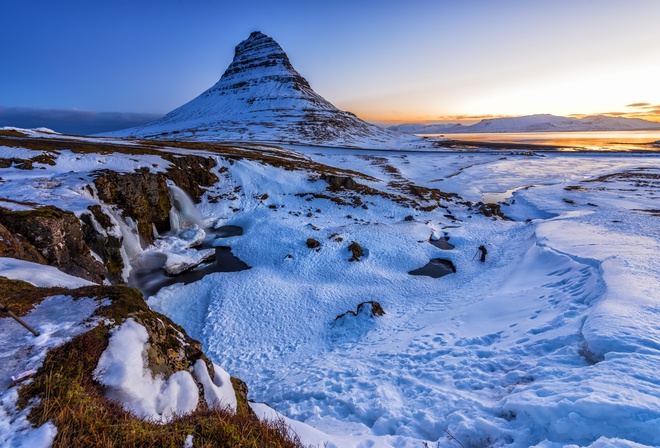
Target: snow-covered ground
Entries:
(552, 341)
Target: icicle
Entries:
(184, 213)
(131, 238)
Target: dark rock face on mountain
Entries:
(261, 97)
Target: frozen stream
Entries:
(148, 274)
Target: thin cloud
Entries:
(648, 115)
(639, 105)
(67, 121)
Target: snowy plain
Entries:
(553, 341)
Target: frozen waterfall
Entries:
(183, 213)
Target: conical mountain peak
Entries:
(259, 60)
(261, 97)
(259, 47)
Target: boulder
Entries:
(339, 181)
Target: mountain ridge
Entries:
(533, 123)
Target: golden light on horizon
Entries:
(623, 87)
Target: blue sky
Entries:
(384, 60)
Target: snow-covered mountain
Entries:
(535, 123)
(261, 97)
(419, 128)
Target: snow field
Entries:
(552, 342)
(500, 353)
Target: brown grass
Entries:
(422, 198)
(21, 297)
(11, 133)
(74, 402)
(64, 392)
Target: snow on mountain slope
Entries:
(261, 97)
(535, 123)
(418, 128)
(617, 123)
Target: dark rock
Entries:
(57, 236)
(356, 250)
(192, 173)
(142, 196)
(106, 246)
(312, 243)
(21, 164)
(17, 246)
(339, 181)
(169, 349)
(490, 210)
(409, 218)
(241, 391)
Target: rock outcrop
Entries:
(490, 210)
(143, 197)
(48, 235)
(102, 241)
(356, 251)
(192, 173)
(335, 181)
